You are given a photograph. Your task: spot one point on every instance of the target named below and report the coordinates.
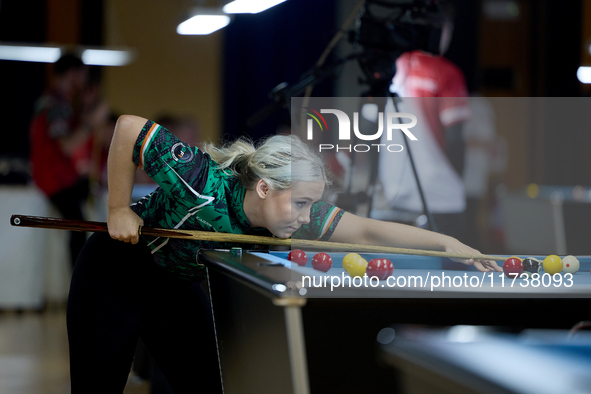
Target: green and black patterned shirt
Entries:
(195, 195)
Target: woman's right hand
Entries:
(124, 224)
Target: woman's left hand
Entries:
(452, 245)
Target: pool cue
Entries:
(79, 225)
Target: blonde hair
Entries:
(279, 160)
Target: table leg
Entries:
(297, 349)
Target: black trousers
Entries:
(117, 295)
(69, 202)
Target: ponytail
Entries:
(279, 160)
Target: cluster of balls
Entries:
(515, 267)
(353, 263)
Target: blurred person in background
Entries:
(100, 151)
(97, 148)
(439, 93)
(60, 133)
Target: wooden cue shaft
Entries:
(78, 225)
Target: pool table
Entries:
(279, 333)
(469, 360)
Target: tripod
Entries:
(380, 94)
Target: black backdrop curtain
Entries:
(263, 50)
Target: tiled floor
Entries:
(34, 355)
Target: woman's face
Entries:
(286, 210)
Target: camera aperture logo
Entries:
(315, 117)
(393, 122)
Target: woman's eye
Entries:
(300, 204)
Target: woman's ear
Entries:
(262, 189)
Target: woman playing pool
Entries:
(147, 287)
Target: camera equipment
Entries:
(388, 28)
(385, 30)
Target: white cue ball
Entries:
(570, 264)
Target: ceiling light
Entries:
(584, 74)
(27, 53)
(50, 54)
(107, 57)
(204, 21)
(250, 6)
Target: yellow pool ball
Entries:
(350, 259)
(354, 264)
(359, 268)
(552, 264)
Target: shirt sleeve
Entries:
(179, 169)
(324, 219)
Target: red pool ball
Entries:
(390, 268)
(378, 268)
(321, 262)
(298, 256)
(513, 267)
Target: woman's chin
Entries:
(283, 233)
